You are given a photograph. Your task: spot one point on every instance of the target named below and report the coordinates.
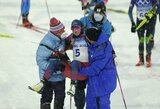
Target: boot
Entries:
(141, 60)
(148, 60)
(26, 22)
(38, 87)
(45, 106)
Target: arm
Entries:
(100, 62)
(107, 28)
(130, 11)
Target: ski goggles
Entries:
(100, 11)
(76, 28)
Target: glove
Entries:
(64, 35)
(113, 29)
(133, 27)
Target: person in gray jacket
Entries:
(50, 58)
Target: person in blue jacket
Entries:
(101, 71)
(25, 6)
(147, 30)
(50, 64)
(97, 18)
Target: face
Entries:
(60, 33)
(76, 30)
(98, 15)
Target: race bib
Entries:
(80, 50)
(143, 7)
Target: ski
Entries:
(6, 36)
(149, 15)
(43, 29)
(34, 28)
(117, 10)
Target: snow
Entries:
(18, 67)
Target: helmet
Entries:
(100, 8)
(76, 22)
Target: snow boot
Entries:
(141, 60)
(38, 87)
(148, 60)
(26, 22)
(45, 106)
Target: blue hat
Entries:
(76, 22)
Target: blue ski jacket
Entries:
(102, 70)
(48, 45)
(105, 26)
(25, 6)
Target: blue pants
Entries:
(25, 6)
(102, 102)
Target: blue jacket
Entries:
(92, 3)
(88, 22)
(47, 46)
(25, 6)
(102, 70)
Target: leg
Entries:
(140, 33)
(91, 103)
(79, 96)
(47, 96)
(149, 35)
(52, 67)
(153, 33)
(25, 6)
(102, 102)
(53, 64)
(105, 102)
(59, 95)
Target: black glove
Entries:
(113, 29)
(133, 27)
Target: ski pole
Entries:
(47, 9)
(69, 93)
(18, 20)
(124, 101)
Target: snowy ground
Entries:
(18, 67)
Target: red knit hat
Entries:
(56, 26)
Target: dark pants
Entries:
(146, 30)
(79, 96)
(47, 94)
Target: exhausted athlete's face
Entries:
(76, 30)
